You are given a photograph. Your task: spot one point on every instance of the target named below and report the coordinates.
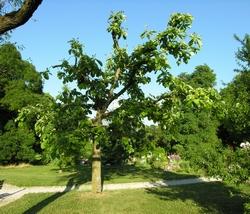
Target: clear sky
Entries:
(57, 21)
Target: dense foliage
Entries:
(17, 145)
(236, 125)
(20, 85)
(219, 145)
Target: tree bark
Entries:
(96, 169)
(17, 18)
(96, 157)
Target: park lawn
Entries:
(49, 175)
(197, 198)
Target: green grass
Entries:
(50, 176)
(197, 198)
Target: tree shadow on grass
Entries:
(213, 197)
(123, 174)
(79, 175)
(135, 173)
(1, 184)
(39, 206)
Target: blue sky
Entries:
(57, 21)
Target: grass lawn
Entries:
(50, 176)
(196, 198)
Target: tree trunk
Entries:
(96, 169)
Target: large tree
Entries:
(20, 85)
(243, 53)
(22, 12)
(236, 125)
(194, 126)
(121, 78)
(203, 76)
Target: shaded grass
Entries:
(50, 175)
(127, 174)
(197, 198)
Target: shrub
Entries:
(16, 145)
(158, 158)
(247, 208)
(230, 165)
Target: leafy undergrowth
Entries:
(51, 176)
(197, 198)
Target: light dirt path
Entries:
(10, 193)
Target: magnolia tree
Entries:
(120, 79)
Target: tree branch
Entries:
(123, 90)
(17, 18)
(116, 78)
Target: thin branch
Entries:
(115, 41)
(57, 66)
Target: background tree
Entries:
(197, 132)
(203, 76)
(193, 126)
(20, 85)
(22, 12)
(243, 53)
(236, 125)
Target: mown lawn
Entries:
(50, 175)
(196, 198)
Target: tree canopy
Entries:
(20, 83)
(243, 53)
(236, 126)
(20, 86)
(98, 85)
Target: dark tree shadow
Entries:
(213, 197)
(81, 175)
(39, 206)
(1, 184)
(4, 195)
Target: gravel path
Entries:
(10, 193)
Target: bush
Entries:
(230, 165)
(203, 156)
(16, 145)
(236, 165)
(157, 158)
(247, 208)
